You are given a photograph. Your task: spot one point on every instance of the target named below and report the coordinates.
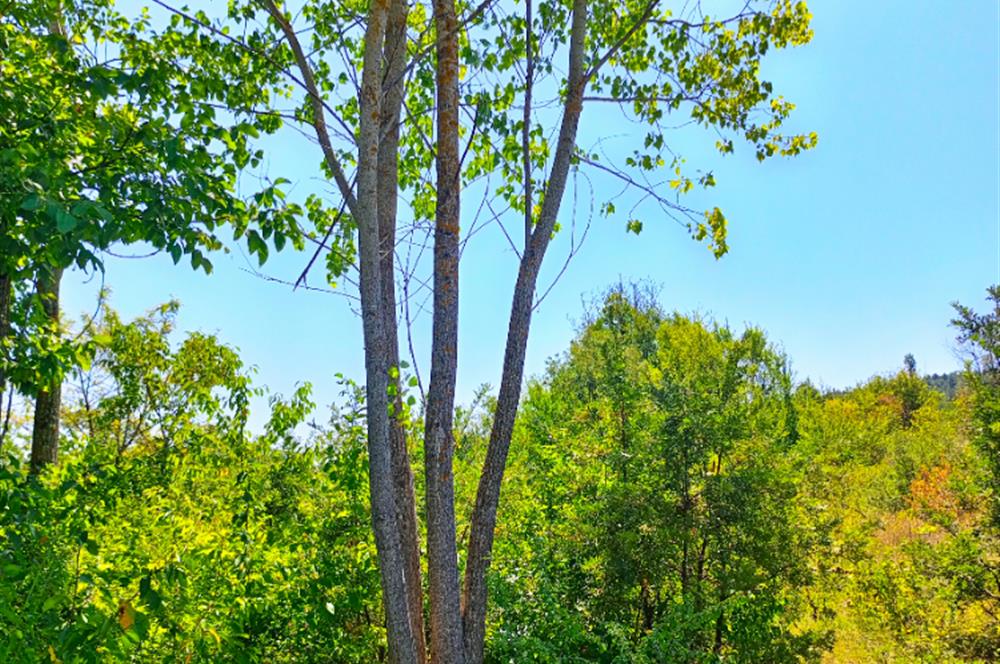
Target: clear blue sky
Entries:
(848, 256)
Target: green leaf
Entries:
(256, 245)
(65, 222)
(14, 572)
(32, 203)
(148, 594)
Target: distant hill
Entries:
(946, 382)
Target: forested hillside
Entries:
(673, 496)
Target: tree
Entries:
(487, 75)
(660, 465)
(98, 150)
(980, 336)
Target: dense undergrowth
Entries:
(673, 496)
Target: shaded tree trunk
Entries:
(699, 599)
(6, 295)
(45, 431)
(6, 302)
(720, 625)
(647, 609)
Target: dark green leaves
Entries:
(257, 246)
(65, 222)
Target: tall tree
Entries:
(662, 450)
(433, 76)
(100, 150)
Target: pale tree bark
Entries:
(393, 89)
(374, 209)
(481, 530)
(45, 429)
(381, 485)
(439, 443)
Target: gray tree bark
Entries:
(394, 518)
(381, 483)
(393, 89)
(481, 530)
(439, 442)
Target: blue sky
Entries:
(847, 256)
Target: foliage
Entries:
(672, 497)
(661, 504)
(895, 496)
(170, 533)
(152, 121)
(111, 135)
(980, 334)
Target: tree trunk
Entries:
(646, 608)
(442, 550)
(720, 625)
(699, 597)
(6, 295)
(394, 516)
(377, 355)
(6, 302)
(45, 432)
(394, 61)
(484, 514)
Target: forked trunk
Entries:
(394, 61)
(395, 595)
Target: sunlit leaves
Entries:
(714, 229)
(142, 147)
(701, 67)
(653, 468)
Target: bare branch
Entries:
(319, 106)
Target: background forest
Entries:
(673, 496)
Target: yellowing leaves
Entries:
(126, 614)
